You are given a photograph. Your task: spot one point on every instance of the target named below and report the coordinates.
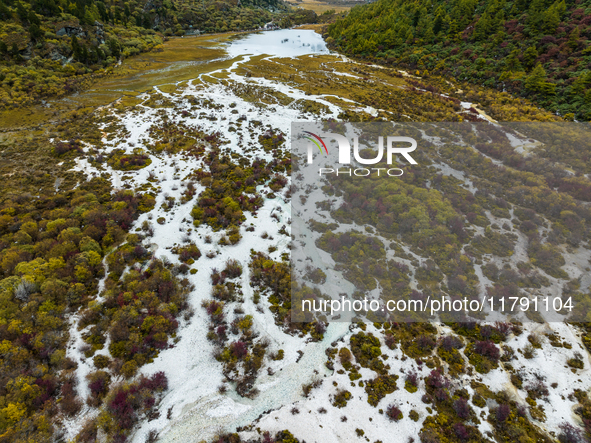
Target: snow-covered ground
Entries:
(198, 410)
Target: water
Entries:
(282, 43)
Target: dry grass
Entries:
(319, 6)
(315, 27)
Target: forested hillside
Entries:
(47, 46)
(534, 48)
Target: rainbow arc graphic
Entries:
(318, 139)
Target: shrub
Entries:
(479, 400)
(484, 355)
(239, 349)
(126, 402)
(129, 369)
(345, 357)
(529, 351)
(487, 349)
(537, 389)
(394, 413)
(233, 269)
(411, 382)
(379, 387)
(341, 398)
(62, 147)
(503, 412)
(436, 380)
(88, 433)
(425, 343)
(365, 348)
(70, 404)
(186, 253)
(461, 431)
(390, 341)
(101, 361)
(570, 434)
(576, 362)
(98, 383)
(118, 159)
(307, 388)
(278, 355)
(450, 342)
(462, 408)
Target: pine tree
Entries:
(114, 48)
(537, 82)
(33, 19)
(4, 11)
(102, 11)
(21, 12)
(429, 34)
(409, 36)
(573, 38)
(481, 28)
(76, 49)
(35, 32)
(16, 55)
(438, 24)
(550, 20)
(529, 57)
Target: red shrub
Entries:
(436, 380)
(239, 349)
(121, 408)
(394, 413)
(461, 431)
(503, 412)
(487, 349)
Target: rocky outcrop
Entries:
(99, 31)
(70, 29)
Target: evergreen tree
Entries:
(102, 11)
(481, 28)
(114, 48)
(21, 12)
(16, 55)
(573, 38)
(529, 57)
(4, 11)
(537, 82)
(429, 34)
(409, 36)
(35, 32)
(76, 49)
(438, 24)
(550, 20)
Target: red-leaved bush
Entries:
(462, 409)
(127, 402)
(487, 349)
(394, 413)
(239, 349)
(503, 412)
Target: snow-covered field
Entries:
(193, 410)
